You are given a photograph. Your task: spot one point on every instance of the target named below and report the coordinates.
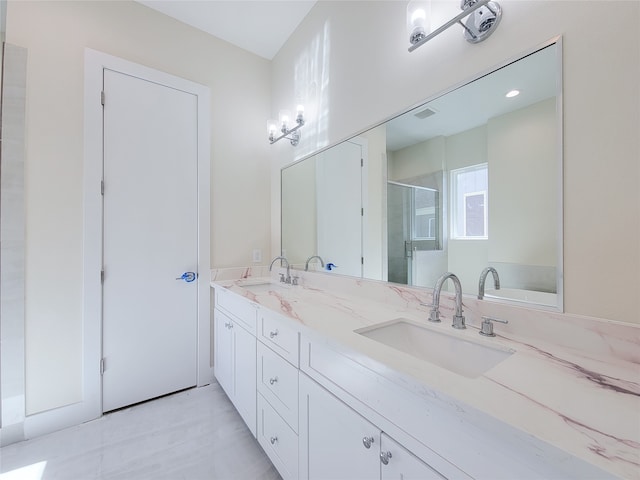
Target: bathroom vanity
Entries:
(328, 377)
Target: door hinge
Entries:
(362, 162)
(102, 366)
(361, 260)
(102, 187)
(362, 212)
(101, 276)
(102, 98)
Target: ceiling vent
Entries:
(427, 112)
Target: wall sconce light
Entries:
(482, 18)
(283, 126)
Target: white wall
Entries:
(522, 160)
(55, 34)
(419, 159)
(299, 204)
(372, 76)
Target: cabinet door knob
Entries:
(273, 440)
(368, 441)
(273, 334)
(384, 457)
(273, 380)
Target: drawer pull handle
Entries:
(368, 441)
(384, 457)
(273, 334)
(273, 380)
(273, 440)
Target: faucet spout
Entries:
(306, 265)
(458, 318)
(283, 259)
(483, 278)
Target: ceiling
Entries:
(263, 26)
(259, 26)
(535, 76)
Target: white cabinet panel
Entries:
(277, 333)
(235, 365)
(245, 376)
(335, 442)
(223, 351)
(393, 409)
(402, 464)
(278, 383)
(279, 442)
(238, 307)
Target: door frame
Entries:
(95, 62)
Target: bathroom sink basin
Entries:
(260, 286)
(455, 354)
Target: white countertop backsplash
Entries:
(574, 382)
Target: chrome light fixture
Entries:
(482, 18)
(283, 126)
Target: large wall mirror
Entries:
(468, 180)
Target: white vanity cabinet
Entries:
(338, 443)
(323, 411)
(235, 353)
(277, 385)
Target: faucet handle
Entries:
(294, 280)
(282, 277)
(486, 328)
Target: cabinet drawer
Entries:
(278, 383)
(240, 308)
(279, 442)
(277, 333)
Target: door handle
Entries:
(188, 277)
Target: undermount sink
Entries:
(455, 354)
(260, 286)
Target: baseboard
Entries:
(11, 434)
(58, 419)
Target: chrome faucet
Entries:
(434, 316)
(483, 278)
(306, 265)
(284, 279)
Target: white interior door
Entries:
(339, 207)
(150, 240)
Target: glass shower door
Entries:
(412, 226)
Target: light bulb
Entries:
(284, 117)
(418, 17)
(300, 113)
(512, 93)
(418, 20)
(272, 129)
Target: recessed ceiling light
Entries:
(512, 93)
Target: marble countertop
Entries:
(585, 401)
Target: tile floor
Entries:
(192, 435)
